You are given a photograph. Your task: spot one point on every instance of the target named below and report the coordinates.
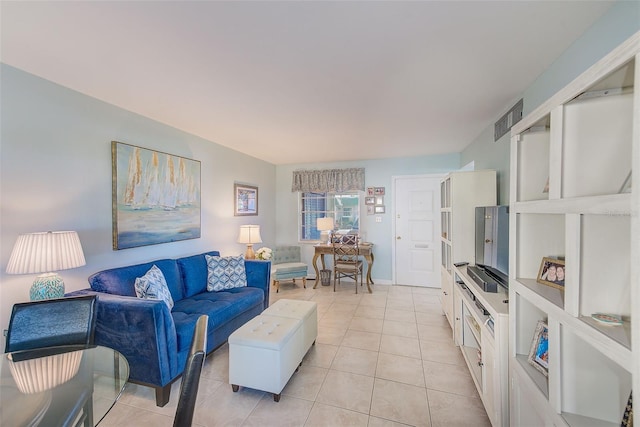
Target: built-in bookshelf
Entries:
(574, 199)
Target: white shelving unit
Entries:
(581, 145)
(483, 339)
(460, 193)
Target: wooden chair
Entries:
(191, 375)
(346, 262)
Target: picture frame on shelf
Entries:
(369, 200)
(539, 351)
(245, 201)
(552, 272)
(379, 209)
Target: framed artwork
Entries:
(379, 191)
(370, 210)
(552, 272)
(245, 200)
(539, 351)
(155, 197)
(379, 209)
(369, 200)
(371, 191)
(379, 200)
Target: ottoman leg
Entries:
(276, 397)
(304, 282)
(235, 387)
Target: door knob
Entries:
(398, 238)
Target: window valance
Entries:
(328, 180)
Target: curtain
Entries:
(328, 180)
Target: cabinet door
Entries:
(447, 296)
(457, 316)
(491, 382)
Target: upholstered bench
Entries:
(266, 351)
(286, 265)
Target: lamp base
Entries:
(249, 254)
(47, 286)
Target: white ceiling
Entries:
(301, 81)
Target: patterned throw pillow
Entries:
(225, 272)
(154, 286)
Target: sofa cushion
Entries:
(194, 273)
(225, 272)
(121, 280)
(153, 286)
(220, 306)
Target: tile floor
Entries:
(381, 359)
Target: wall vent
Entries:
(511, 117)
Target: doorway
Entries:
(416, 230)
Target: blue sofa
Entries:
(156, 341)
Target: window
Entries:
(344, 208)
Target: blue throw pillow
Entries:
(154, 286)
(225, 272)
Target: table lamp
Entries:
(249, 234)
(46, 253)
(325, 226)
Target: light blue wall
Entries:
(55, 174)
(378, 173)
(617, 25)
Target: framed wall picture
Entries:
(552, 273)
(379, 200)
(539, 351)
(379, 209)
(379, 191)
(155, 197)
(369, 200)
(370, 210)
(371, 191)
(245, 200)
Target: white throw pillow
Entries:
(225, 272)
(154, 286)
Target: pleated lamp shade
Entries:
(46, 252)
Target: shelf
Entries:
(618, 333)
(536, 376)
(533, 162)
(611, 204)
(591, 384)
(582, 421)
(553, 295)
(473, 327)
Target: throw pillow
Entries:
(154, 286)
(225, 272)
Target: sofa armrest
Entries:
(259, 276)
(143, 331)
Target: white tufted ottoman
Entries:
(307, 311)
(267, 350)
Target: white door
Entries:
(417, 231)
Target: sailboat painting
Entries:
(156, 197)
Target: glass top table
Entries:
(60, 385)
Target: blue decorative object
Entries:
(47, 286)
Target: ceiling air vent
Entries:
(510, 118)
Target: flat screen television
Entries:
(491, 248)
